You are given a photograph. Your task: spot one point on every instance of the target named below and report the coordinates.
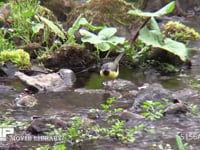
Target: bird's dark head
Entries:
(106, 72)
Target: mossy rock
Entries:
(18, 57)
(180, 32)
(110, 13)
(73, 56)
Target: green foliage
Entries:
(51, 25)
(194, 109)
(79, 131)
(107, 107)
(153, 110)
(163, 11)
(22, 13)
(179, 143)
(5, 44)
(155, 38)
(1, 4)
(18, 57)
(104, 41)
(80, 21)
(180, 32)
(55, 147)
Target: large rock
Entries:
(49, 82)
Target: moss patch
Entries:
(18, 57)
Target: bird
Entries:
(110, 70)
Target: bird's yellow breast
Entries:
(110, 76)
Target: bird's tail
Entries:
(118, 58)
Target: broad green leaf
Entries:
(84, 22)
(140, 13)
(166, 9)
(73, 29)
(107, 33)
(116, 40)
(103, 46)
(156, 40)
(163, 11)
(149, 38)
(76, 25)
(154, 25)
(89, 37)
(176, 48)
(53, 27)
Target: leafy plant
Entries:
(22, 13)
(155, 38)
(107, 107)
(76, 25)
(51, 25)
(104, 41)
(5, 44)
(153, 110)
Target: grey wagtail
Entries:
(110, 70)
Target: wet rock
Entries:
(127, 115)
(152, 92)
(25, 100)
(119, 85)
(178, 107)
(8, 69)
(49, 82)
(41, 125)
(6, 88)
(105, 93)
(9, 145)
(185, 94)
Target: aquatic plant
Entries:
(18, 57)
(152, 110)
(79, 131)
(180, 32)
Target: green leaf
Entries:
(166, 9)
(103, 46)
(163, 11)
(28, 14)
(36, 28)
(52, 26)
(155, 39)
(89, 37)
(176, 48)
(179, 143)
(116, 40)
(107, 32)
(84, 22)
